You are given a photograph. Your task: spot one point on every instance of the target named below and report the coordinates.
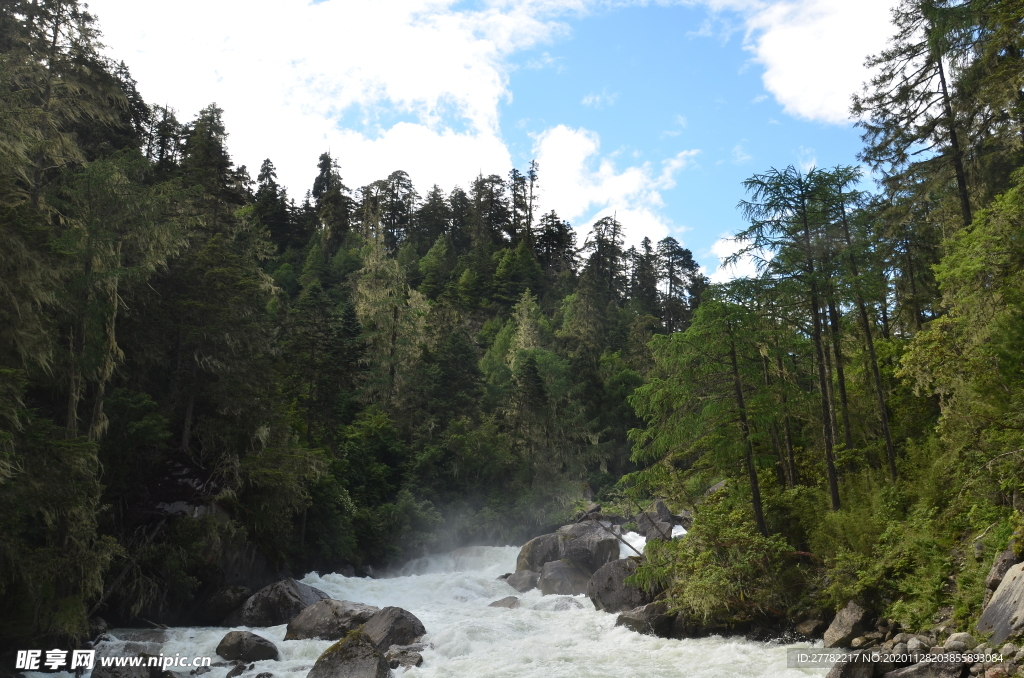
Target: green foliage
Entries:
(724, 572)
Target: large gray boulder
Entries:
(356, 656)
(847, 625)
(1001, 565)
(1004, 615)
(560, 577)
(650, 619)
(329, 620)
(246, 646)
(536, 552)
(930, 670)
(276, 604)
(589, 545)
(659, 530)
(222, 603)
(394, 626)
(852, 667)
(404, 655)
(101, 671)
(608, 590)
(523, 581)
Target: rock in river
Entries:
(560, 577)
(608, 590)
(276, 604)
(523, 581)
(536, 552)
(589, 545)
(354, 657)
(329, 620)
(394, 626)
(246, 646)
(847, 625)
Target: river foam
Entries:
(547, 637)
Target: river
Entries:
(547, 637)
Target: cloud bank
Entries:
(419, 84)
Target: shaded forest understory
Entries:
(204, 381)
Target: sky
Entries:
(652, 111)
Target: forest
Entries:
(198, 369)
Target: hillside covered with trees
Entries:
(205, 380)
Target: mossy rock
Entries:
(355, 656)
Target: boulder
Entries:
(812, 628)
(645, 521)
(564, 604)
(536, 552)
(560, 577)
(1001, 565)
(917, 646)
(589, 545)
(222, 603)
(394, 626)
(329, 620)
(650, 619)
(97, 627)
(1004, 615)
(276, 604)
(101, 671)
(661, 509)
(854, 666)
(523, 581)
(847, 625)
(1001, 670)
(659, 530)
(140, 643)
(246, 646)
(684, 518)
(930, 670)
(966, 639)
(511, 602)
(354, 657)
(608, 590)
(684, 626)
(404, 655)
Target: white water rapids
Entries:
(547, 637)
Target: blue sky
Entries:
(654, 111)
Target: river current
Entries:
(546, 637)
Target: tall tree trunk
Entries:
(954, 143)
(186, 429)
(782, 471)
(865, 326)
(829, 380)
(819, 351)
(790, 455)
(755, 489)
(837, 351)
(74, 383)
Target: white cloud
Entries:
(740, 155)
(583, 186)
(725, 247)
(600, 100)
(813, 51)
(806, 158)
(403, 84)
